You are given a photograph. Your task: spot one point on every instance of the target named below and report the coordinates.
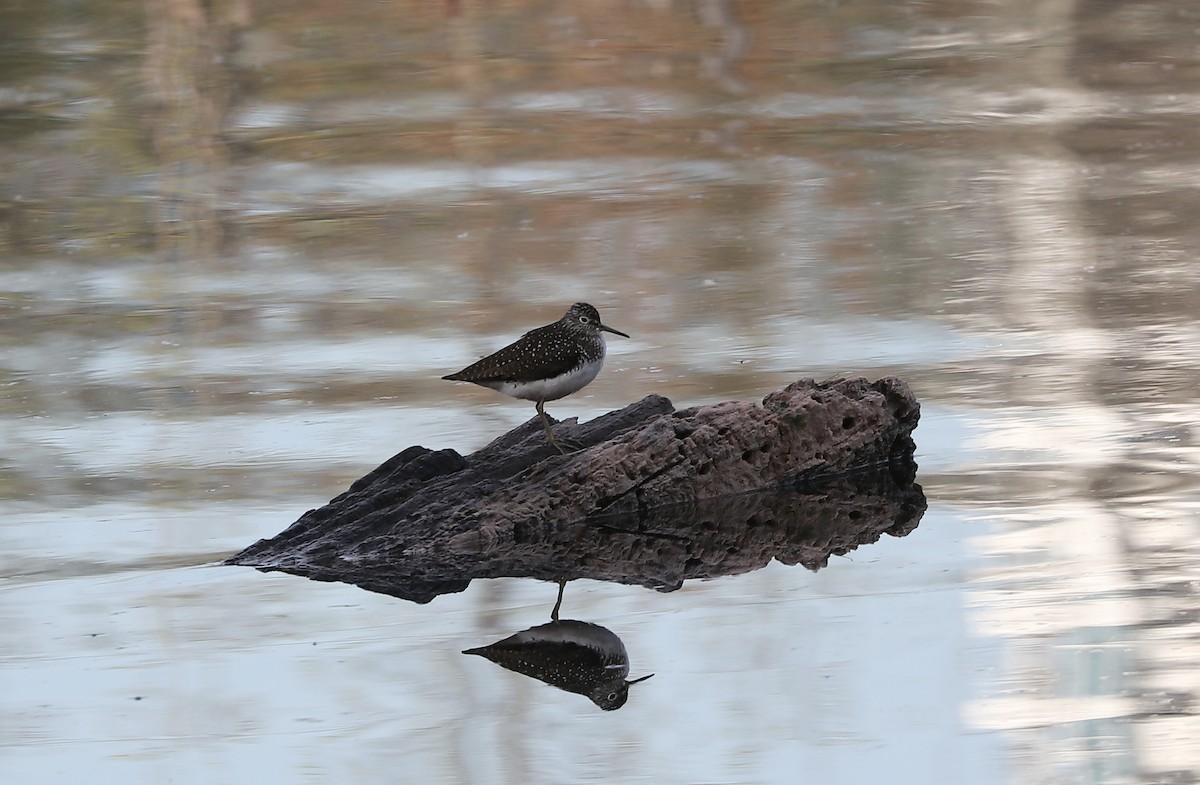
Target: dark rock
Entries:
(655, 497)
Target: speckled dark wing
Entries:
(538, 354)
(568, 666)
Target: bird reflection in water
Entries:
(575, 656)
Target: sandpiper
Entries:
(545, 364)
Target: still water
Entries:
(241, 242)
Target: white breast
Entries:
(553, 389)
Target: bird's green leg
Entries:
(549, 433)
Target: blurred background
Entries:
(240, 241)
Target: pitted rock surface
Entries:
(426, 522)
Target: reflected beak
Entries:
(618, 332)
(635, 681)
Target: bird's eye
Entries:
(584, 319)
(612, 696)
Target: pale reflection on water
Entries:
(240, 245)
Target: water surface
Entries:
(240, 243)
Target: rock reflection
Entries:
(575, 656)
(802, 522)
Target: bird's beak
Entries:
(635, 681)
(611, 330)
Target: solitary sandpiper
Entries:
(545, 364)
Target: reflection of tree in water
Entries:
(184, 74)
